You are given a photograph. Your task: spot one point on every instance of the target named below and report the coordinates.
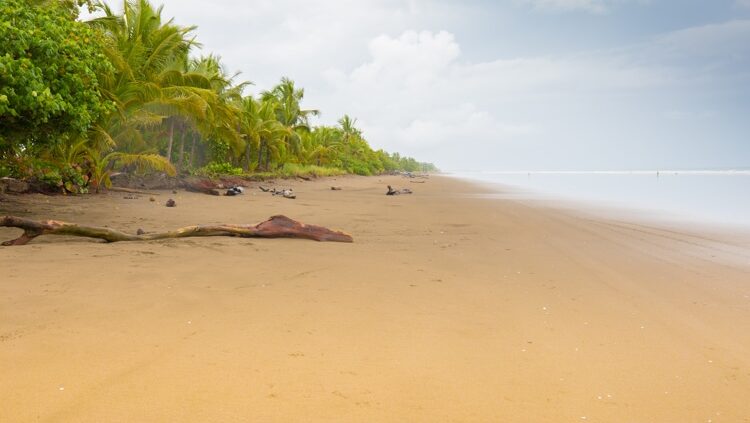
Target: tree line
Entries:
(125, 91)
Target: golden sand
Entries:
(446, 308)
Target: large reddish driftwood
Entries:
(203, 186)
(274, 227)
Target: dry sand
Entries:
(446, 308)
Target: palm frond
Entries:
(143, 162)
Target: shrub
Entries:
(214, 169)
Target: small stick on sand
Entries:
(131, 191)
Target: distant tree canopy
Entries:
(124, 91)
(49, 70)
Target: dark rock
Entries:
(171, 203)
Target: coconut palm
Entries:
(322, 145)
(154, 85)
(263, 133)
(349, 131)
(289, 113)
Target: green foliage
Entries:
(74, 180)
(291, 170)
(214, 169)
(56, 175)
(49, 74)
(219, 151)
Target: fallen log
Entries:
(286, 193)
(203, 186)
(202, 190)
(392, 191)
(275, 227)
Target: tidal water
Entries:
(706, 197)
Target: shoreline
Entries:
(603, 209)
(444, 308)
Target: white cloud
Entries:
(463, 122)
(416, 95)
(416, 56)
(267, 39)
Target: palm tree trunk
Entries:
(171, 140)
(260, 154)
(192, 150)
(247, 157)
(180, 159)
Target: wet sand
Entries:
(447, 307)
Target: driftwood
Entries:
(413, 175)
(201, 185)
(201, 188)
(274, 227)
(392, 191)
(131, 191)
(286, 193)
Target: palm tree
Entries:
(348, 129)
(262, 131)
(289, 113)
(322, 144)
(156, 87)
(141, 47)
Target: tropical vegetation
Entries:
(126, 92)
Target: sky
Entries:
(506, 84)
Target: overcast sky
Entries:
(506, 84)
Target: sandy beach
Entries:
(448, 307)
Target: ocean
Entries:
(695, 196)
